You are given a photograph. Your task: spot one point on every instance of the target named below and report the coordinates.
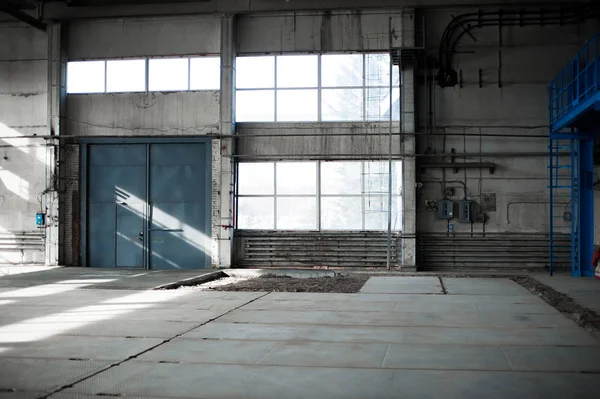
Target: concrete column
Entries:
(57, 95)
(408, 127)
(223, 153)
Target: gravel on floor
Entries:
(337, 284)
(585, 318)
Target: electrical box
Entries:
(445, 209)
(465, 211)
(40, 219)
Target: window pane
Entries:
(341, 70)
(377, 177)
(340, 178)
(296, 213)
(297, 105)
(378, 104)
(256, 213)
(298, 71)
(341, 213)
(255, 72)
(85, 77)
(168, 74)
(342, 104)
(255, 106)
(376, 213)
(205, 73)
(377, 71)
(296, 178)
(256, 178)
(125, 76)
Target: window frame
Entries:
(318, 196)
(364, 87)
(147, 74)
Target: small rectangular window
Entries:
(125, 76)
(255, 106)
(169, 74)
(341, 178)
(205, 73)
(256, 178)
(296, 178)
(376, 213)
(342, 104)
(256, 213)
(297, 105)
(342, 70)
(86, 77)
(296, 213)
(377, 71)
(341, 213)
(297, 71)
(255, 72)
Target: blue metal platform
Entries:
(574, 110)
(575, 93)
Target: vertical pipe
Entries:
(148, 218)
(551, 185)
(391, 114)
(574, 217)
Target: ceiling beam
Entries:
(16, 12)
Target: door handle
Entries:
(141, 237)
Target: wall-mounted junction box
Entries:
(465, 211)
(445, 209)
(40, 219)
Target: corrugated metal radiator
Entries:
(22, 241)
(314, 249)
(469, 251)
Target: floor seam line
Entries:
(71, 385)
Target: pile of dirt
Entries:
(337, 284)
(585, 318)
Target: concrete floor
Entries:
(401, 337)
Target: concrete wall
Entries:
(527, 59)
(23, 112)
(144, 37)
(320, 31)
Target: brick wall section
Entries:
(216, 201)
(71, 205)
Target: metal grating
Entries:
(485, 251)
(314, 249)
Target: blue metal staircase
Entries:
(562, 172)
(574, 108)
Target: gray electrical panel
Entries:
(445, 209)
(465, 211)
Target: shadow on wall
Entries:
(22, 176)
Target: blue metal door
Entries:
(116, 205)
(179, 216)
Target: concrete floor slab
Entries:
(22, 395)
(553, 358)
(347, 305)
(396, 319)
(446, 357)
(92, 348)
(402, 285)
(418, 335)
(44, 374)
(264, 382)
(585, 291)
(210, 351)
(520, 308)
(483, 286)
(326, 354)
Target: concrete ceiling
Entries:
(69, 9)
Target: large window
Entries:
(310, 88)
(145, 74)
(318, 195)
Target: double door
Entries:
(148, 205)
